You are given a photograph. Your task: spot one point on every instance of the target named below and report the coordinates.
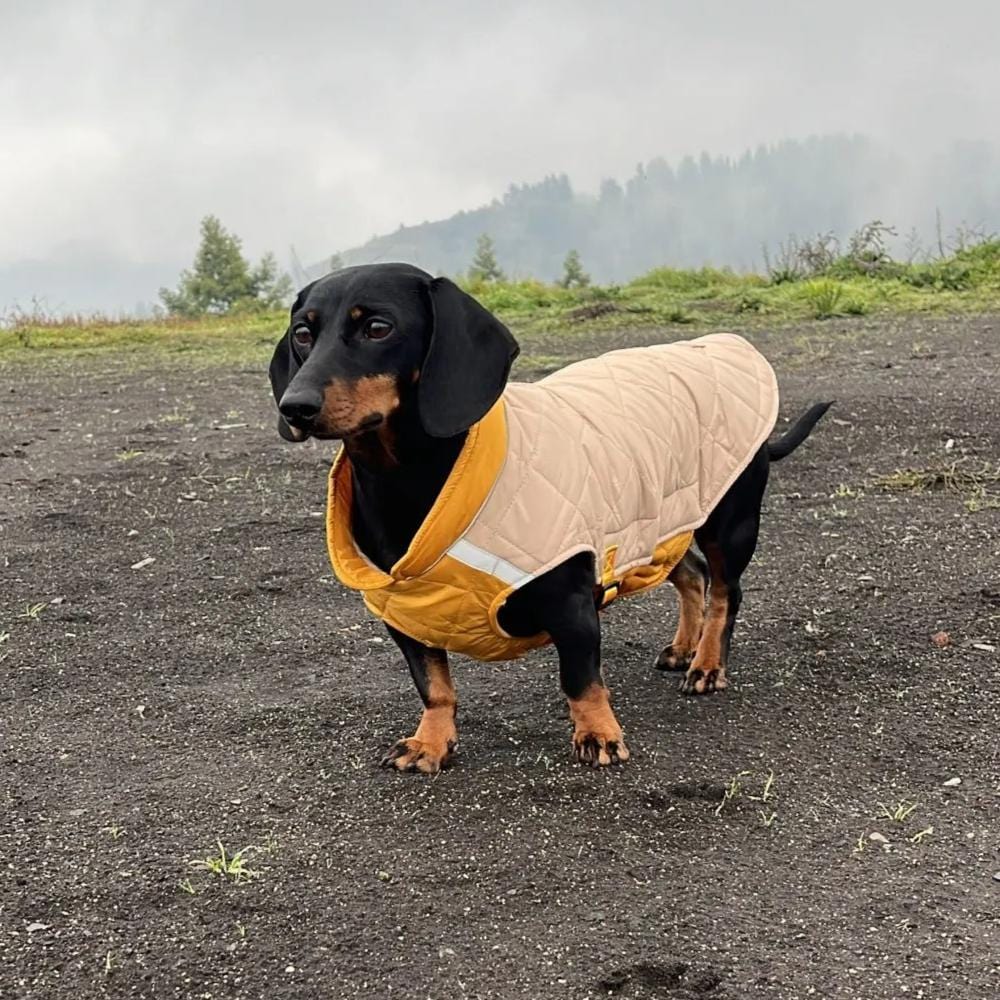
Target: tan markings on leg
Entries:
(690, 586)
(431, 746)
(707, 672)
(349, 403)
(597, 737)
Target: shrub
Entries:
(943, 275)
(824, 297)
(750, 302)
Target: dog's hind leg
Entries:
(728, 539)
(431, 747)
(689, 577)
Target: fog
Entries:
(319, 125)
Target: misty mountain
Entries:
(710, 210)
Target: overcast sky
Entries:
(320, 124)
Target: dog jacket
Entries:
(622, 456)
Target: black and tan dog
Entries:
(400, 366)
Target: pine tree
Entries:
(270, 287)
(484, 264)
(574, 276)
(222, 279)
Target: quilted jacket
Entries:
(622, 456)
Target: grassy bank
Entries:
(800, 286)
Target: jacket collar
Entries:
(461, 498)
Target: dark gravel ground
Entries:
(230, 690)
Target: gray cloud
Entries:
(319, 124)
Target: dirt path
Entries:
(230, 690)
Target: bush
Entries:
(797, 259)
(750, 302)
(824, 297)
(943, 275)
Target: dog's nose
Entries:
(301, 408)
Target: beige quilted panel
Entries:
(626, 449)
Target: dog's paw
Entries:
(412, 754)
(671, 659)
(697, 681)
(599, 749)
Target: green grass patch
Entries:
(206, 339)
(556, 322)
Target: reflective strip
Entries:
(477, 558)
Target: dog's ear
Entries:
(467, 363)
(284, 365)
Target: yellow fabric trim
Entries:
(666, 556)
(352, 568)
(463, 494)
(608, 581)
(608, 566)
(452, 606)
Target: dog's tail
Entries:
(801, 429)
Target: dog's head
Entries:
(368, 342)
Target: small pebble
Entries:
(878, 838)
(941, 639)
(996, 876)
(952, 782)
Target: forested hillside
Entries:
(711, 210)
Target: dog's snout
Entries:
(300, 408)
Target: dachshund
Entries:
(401, 367)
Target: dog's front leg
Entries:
(430, 748)
(576, 632)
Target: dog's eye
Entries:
(302, 336)
(377, 329)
